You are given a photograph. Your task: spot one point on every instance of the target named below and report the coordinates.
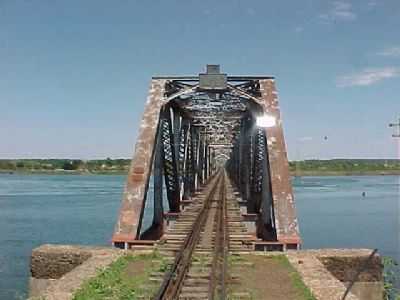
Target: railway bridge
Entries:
(194, 126)
(208, 185)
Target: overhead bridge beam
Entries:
(229, 78)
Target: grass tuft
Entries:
(122, 281)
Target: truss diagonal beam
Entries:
(171, 175)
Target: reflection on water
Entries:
(78, 209)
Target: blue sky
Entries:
(74, 74)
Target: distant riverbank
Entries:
(345, 173)
(63, 172)
(298, 173)
(108, 166)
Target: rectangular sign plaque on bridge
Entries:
(212, 81)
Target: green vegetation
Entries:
(127, 278)
(121, 166)
(345, 167)
(65, 165)
(391, 276)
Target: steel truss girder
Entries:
(194, 155)
(258, 161)
(188, 164)
(183, 156)
(170, 160)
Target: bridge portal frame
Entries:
(148, 157)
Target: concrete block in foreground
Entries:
(57, 271)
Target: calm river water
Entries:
(75, 209)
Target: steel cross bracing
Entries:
(189, 129)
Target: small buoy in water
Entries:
(363, 194)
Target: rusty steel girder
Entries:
(286, 223)
(130, 217)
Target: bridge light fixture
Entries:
(266, 121)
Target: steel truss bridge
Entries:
(194, 126)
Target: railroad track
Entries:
(199, 242)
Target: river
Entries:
(80, 209)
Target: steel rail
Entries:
(173, 278)
(225, 244)
(219, 243)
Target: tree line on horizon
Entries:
(108, 164)
(64, 164)
(346, 165)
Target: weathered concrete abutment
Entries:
(57, 271)
(328, 273)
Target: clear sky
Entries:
(74, 74)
